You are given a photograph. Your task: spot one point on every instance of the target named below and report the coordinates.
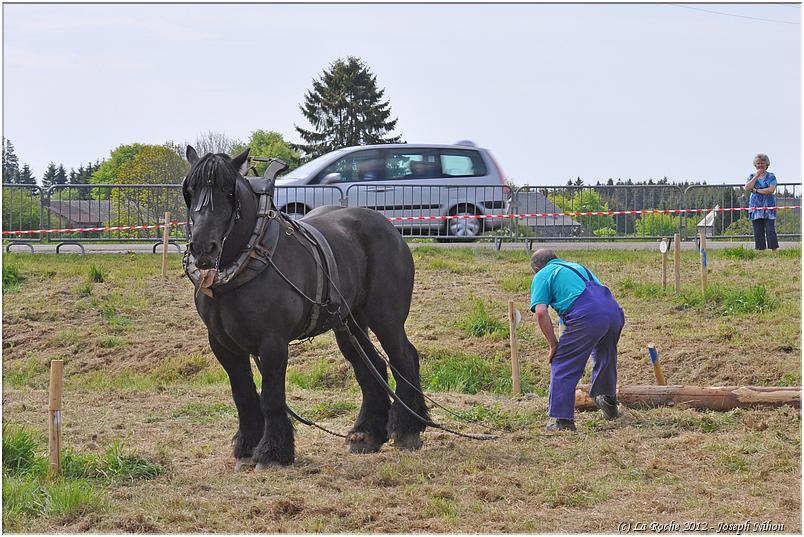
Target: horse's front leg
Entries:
(276, 446)
(246, 400)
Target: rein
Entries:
(344, 326)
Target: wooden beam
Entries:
(701, 397)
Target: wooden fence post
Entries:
(54, 411)
(702, 238)
(512, 322)
(165, 239)
(657, 368)
(677, 260)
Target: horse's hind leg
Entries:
(369, 432)
(246, 400)
(404, 427)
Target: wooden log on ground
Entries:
(700, 397)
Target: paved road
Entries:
(147, 247)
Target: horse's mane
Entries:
(213, 169)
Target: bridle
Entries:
(260, 245)
(206, 198)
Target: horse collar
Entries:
(254, 256)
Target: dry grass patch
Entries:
(139, 371)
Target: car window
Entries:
(459, 163)
(306, 169)
(411, 164)
(358, 166)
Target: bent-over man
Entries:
(593, 322)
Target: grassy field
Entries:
(148, 415)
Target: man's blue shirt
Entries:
(558, 286)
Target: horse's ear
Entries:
(192, 156)
(240, 162)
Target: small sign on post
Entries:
(514, 318)
(165, 242)
(54, 414)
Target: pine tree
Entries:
(49, 178)
(345, 108)
(25, 177)
(61, 175)
(82, 177)
(10, 162)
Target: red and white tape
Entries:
(445, 217)
(589, 213)
(79, 229)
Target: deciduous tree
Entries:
(271, 144)
(209, 142)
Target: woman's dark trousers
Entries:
(765, 227)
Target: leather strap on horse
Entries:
(251, 261)
(261, 245)
(326, 281)
(257, 255)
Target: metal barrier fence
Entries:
(22, 211)
(552, 203)
(736, 224)
(425, 210)
(456, 212)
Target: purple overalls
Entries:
(593, 325)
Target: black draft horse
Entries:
(262, 316)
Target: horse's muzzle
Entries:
(206, 254)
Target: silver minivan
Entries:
(416, 186)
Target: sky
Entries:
(555, 91)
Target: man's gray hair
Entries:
(763, 157)
(541, 257)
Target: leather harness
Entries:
(259, 250)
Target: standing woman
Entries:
(762, 186)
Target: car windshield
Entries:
(311, 167)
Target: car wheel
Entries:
(464, 229)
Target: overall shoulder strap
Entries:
(573, 269)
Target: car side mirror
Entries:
(331, 178)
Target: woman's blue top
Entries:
(762, 200)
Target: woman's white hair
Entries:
(763, 157)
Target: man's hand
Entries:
(551, 352)
(546, 326)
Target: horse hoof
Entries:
(243, 463)
(411, 442)
(360, 442)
